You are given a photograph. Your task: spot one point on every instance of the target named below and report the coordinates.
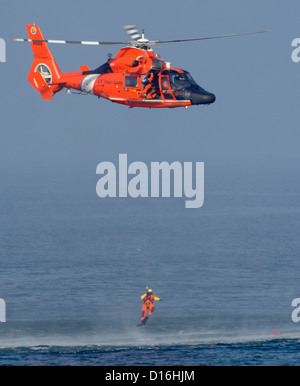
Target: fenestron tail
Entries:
(44, 74)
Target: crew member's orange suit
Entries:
(149, 90)
(148, 300)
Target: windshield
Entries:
(181, 80)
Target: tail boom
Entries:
(45, 75)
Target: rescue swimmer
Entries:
(148, 306)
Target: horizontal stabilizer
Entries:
(84, 68)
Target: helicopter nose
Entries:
(202, 97)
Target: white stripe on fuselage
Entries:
(88, 82)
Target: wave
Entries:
(107, 343)
(42, 335)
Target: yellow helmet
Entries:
(149, 290)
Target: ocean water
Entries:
(73, 267)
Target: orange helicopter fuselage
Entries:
(124, 84)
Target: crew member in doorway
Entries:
(148, 299)
(149, 90)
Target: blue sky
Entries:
(252, 125)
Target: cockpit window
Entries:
(189, 76)
(181, 80)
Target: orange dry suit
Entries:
(149, 89)
(148, 300)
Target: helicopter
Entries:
(136, 76)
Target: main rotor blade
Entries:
(94, 43)
(208, 37)
(131, 43)
(133, 32)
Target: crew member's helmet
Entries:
(149, 291)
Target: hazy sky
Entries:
(253, 123)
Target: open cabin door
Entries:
(165, 87)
